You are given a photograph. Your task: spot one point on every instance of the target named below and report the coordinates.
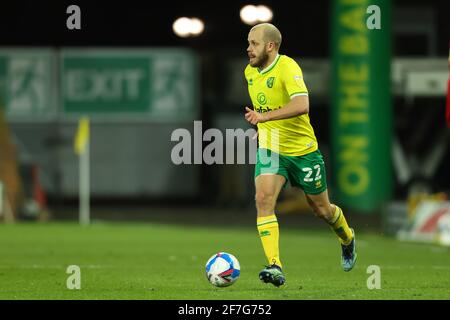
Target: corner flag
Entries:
(82, 149)
(82, 136)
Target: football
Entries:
(222, 269)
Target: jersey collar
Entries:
(270, 67)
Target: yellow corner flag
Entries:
(82, 136)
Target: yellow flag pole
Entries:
(82, 141)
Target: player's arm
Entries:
(296, 107)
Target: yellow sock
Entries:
(269, 234)
(340, 227)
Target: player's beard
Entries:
(261, 61)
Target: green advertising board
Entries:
(28, 84)
(361, 103)
(156, 84)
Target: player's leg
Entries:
(309, 174)
(270, 177)
(334, 216)
(268, 187)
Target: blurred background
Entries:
(138, 73)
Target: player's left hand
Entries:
(254, 117)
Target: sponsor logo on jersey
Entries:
(261, 97)
(265, 109)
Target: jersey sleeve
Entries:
(293, 79)
(246, 72)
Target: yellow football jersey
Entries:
(271, 89)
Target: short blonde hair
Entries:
(270, 33)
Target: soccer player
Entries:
(288, 149)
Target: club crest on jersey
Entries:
(270, 82)
(250, 82)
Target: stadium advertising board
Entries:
(156, 84)
(27, 84)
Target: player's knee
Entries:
(265, 201)
(322, 211)
(321, 214)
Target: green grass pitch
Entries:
(160, 261)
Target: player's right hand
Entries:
(253, 117)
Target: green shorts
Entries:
(306, 172)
